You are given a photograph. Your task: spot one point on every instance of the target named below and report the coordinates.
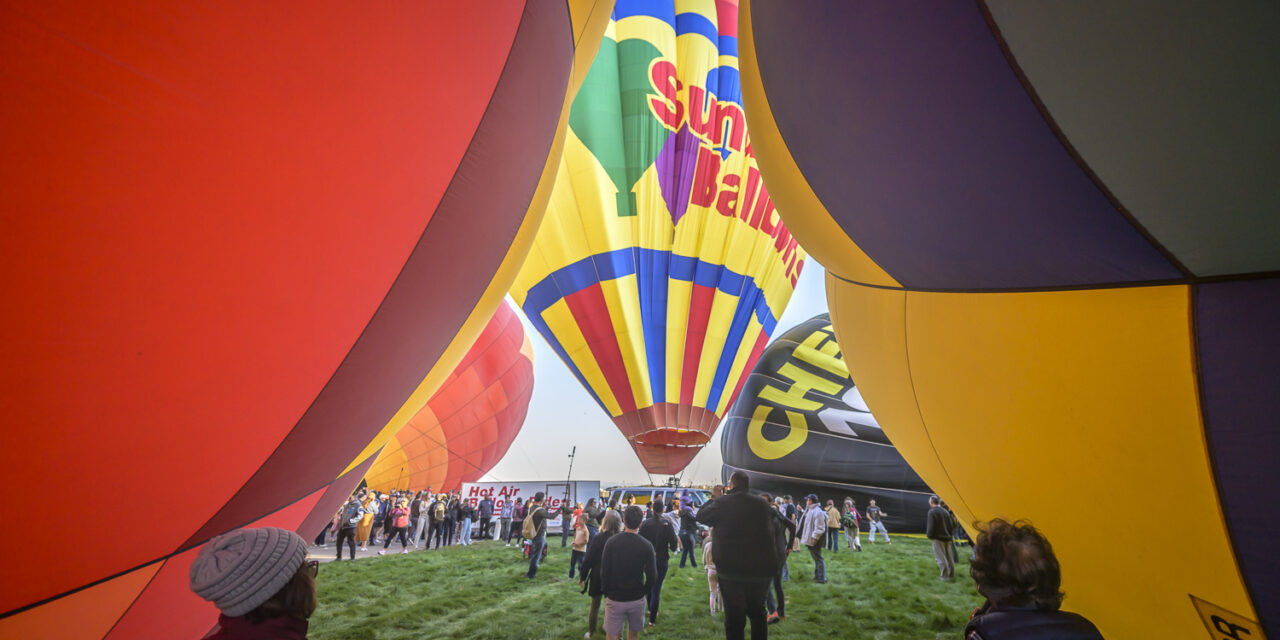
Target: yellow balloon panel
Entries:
(1131, 510)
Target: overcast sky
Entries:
(562, 414)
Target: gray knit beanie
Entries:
(239, 570)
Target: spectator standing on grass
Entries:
(417, 518)
(485, 513)
(1015, 569)
(784, 536)
(436, 514)
(589, 577)
(517, 520)
(348, 519)
(566, 522)
(592, 514)
(938, 531)
(580, 540)
(261, 582)
(627, 574)
(657, 530)
(833, 527)
(399, 518)
(539, 539)
(369, 509)
(467, 514)
(504, 520)
(450, 519)
(852, 521)
(381, 523)
(744, 553)
(813, 532)
(688, 537)
(875, 522)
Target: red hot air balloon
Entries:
(241, 240)
(469, 424)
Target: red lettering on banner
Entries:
(475, 491)
(737, 125)
(704, 179)
(729, 196)
(668, 108)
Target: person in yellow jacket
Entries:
(833, 527)
(366, 523)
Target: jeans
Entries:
(566, 532)
(348, 535)
(504, 533)
(485, 525)
(686, 540)
(819, 566)
(833, 539)
(780, 606)
(575, 561)
(655, 592)
(535, 555)
(591, 533)
(417, 530)
(744, 601)
(875, 526)
(465, 537)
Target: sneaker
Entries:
(773, 617)
(382, 552)
(403, 551)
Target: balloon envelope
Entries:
(237, 244)
(467, 426)
(800, 426)
(661, 267)
(1050, 232)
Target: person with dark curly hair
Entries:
(1016, 570)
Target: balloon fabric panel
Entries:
(800, 426)
(249, 316)
(661, 267)
(469, 424)
(1051, 261)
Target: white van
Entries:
(644, 494)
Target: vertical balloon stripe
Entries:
(592, 316)
(733, 342)
(625, 323)
(651, 279)
(695, 338)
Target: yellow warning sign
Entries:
(1225, 625)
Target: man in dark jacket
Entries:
(745, 555)
(627, 574)
(485, 513)
(938, 530)
(657, 530)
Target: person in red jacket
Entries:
(261, 581)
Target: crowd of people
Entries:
(621, 553)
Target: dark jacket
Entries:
(628, 569)
(992, 623)
(938, 525)
(591, 563)
(239, 628)
(486, 508)
(744, 546)
(784, 535)
(592, 515)
(659, 534)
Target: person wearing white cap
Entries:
(261, 581)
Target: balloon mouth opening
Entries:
(671, 437)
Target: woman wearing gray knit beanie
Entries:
(261, 581)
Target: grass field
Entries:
(887, 591)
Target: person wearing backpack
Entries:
(348, 519)
(439, 509)
(852, 521)
(535, 529)
(813, 529)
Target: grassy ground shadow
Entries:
(885, 592)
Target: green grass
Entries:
(885, 592)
